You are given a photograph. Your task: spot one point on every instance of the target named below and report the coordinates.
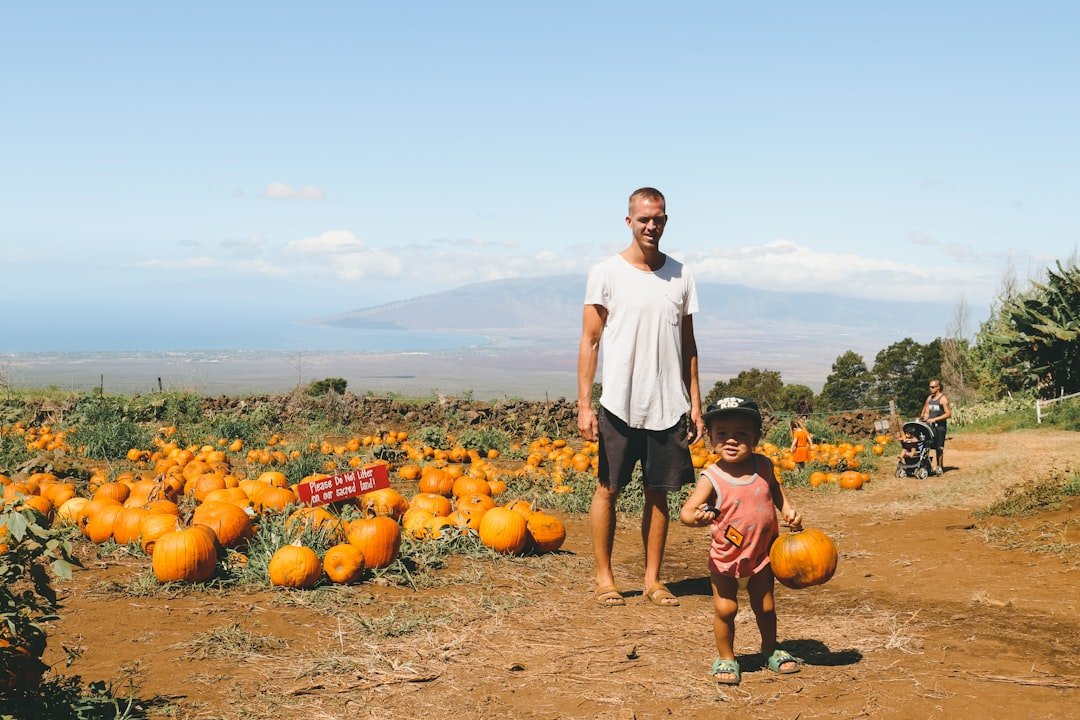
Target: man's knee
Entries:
(605, 494)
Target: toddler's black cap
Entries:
(734, 405)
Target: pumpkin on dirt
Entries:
(547, 532)
(468, 518)
(294, 566)
(273, 498)
(469, 485)
(188, 555)
(475, 502)
(386, 502)
(438, 505)
(127, 524)
(343, 563)
(504, 530)
(436, 481)
(379, 539)
(412, 522)
(851, 480)
(68, 513)
(153, 526)
(117, 491)
(99, 520)
(803, 558)
(435, 527)
(230, 524)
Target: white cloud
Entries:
(344, 255)
(279, 190)
(956, 251)
(787, 266)
(474, 242)
(917, 237)
(178, 263)
(332, 242)
(248, 245)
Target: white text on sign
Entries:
(343, 486)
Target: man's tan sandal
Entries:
(659, 594)
(608, 596)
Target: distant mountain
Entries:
(552, 305)
(538, 321)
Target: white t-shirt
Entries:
(641, 345)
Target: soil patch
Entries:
(929, 615)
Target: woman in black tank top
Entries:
(937, 411)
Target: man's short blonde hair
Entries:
(647, 193)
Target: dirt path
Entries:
(924, 619)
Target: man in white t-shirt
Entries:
(640, 302)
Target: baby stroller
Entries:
(919, 463)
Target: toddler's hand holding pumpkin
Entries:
(792, 517)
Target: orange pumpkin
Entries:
(851, 480)
(343, 563)
(438, 505)
(99, 523)
(435, 527)
(230, 524)
(379, 539)
(469, 485)
(387, 502)
(803, 558)
(188, 555)
(478, 502)
(294, 566)
(504, 531)
(436, 481)
(127, 524)
(547, 532)
(153, 526)
(273, 498)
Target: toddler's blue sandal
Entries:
(781, 657)
(729, 667)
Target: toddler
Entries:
(738, 496)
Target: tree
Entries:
(898, 375)
(993, 377)
(1038, 335)
(763, 386)
(957, 370)
(849, 384)
(791, 396)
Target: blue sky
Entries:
(207, 163)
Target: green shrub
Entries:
(171, 408)
(484, 439)
(432, 436)
(105, 427)
(13, 452)
(319, 388)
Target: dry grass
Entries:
(232, 641)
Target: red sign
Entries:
(343, 485)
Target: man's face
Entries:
(646, 221)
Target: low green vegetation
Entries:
(1040, 495)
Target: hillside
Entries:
(800, 334)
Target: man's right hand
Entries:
(587, 423)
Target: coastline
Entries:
(487, 372)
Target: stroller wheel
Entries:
(900, 472)
(922, 473)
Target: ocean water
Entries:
(224, 360)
